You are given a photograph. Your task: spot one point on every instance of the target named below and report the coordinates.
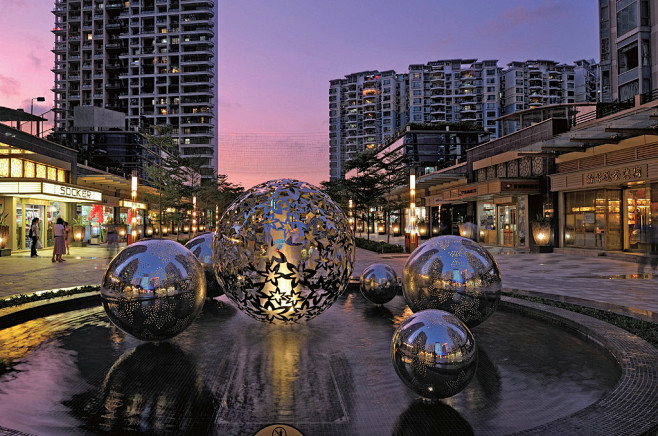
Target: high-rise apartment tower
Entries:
(150, 59)
(628, 34)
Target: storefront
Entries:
(24, 199)
(609, 207)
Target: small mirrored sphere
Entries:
(284, 251)
(153, 289)
(454, 274)
(379, 283)
(434, 354)
(201, 247)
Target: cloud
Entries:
(9, 87)
(511, 19)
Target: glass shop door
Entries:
(507, 219)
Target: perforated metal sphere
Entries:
(454, 274)
(379, 283)
(284, 251)
(153, 289)
(201, 247)
(434, 353)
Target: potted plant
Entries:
(4, 231)
(79, 225)
(541, 233)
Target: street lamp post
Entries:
(32, 109)
(133, 196)
(413, 225)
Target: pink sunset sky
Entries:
(275, 60)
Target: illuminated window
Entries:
(41, 171)
(163, 111)
(16, 168)
(61, 176)
(52, 173)
(30, 171)
(4, 167)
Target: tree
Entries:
(215, 195)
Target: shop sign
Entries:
(616, 175)
(129, 204)
(71, 192)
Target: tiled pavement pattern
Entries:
(593, 281)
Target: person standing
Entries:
(59, 247)
(34, 235)
(67, 229)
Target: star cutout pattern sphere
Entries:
(153, 289)
(201, 247)
(454, 274)
(434, 354)
(284, 251)
(379, 283)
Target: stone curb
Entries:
(631, 407)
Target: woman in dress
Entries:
(35, 237)
(59, 247)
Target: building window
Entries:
(415, 85)
(386, 106)
(418, 92)
(387, 81)
(628, 57)
(418, 100)
(627, 19)
(629, 90)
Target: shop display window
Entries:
(592, 219)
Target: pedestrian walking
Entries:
(67, 229)
(59, 247)
(34, 236)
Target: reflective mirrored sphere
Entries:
(201, 247)
(379, 283)
(153, 289)
(434, 353)
(284, 251)
(454, 274)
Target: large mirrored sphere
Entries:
(153, 289)
(434, 353)
(284, 251)
(379, 283)
(201, 247)
(454, 274)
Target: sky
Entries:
(276, 58)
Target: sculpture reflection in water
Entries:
(153, 389)
(201, 247)
(434, 354)
(379, 283)
(430, 419)
(153, 289)
(284, 251)
(454, 274)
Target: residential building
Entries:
(365, 109)
(152, 60)
(455, 90)
(628, 33)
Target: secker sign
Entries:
(71, 192)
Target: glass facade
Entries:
(612, 219)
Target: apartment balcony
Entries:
(59, 10)
(59, 48)
(114, 6)
(74, 96)
(59, 30)
(74, 17)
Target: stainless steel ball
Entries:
(434, 353)
(454, 274)
(201, 247)
(284, 251)
(379, 283)
(153, 289)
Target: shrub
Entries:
(378, 246)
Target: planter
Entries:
(4, 236)
(541, 233)
(78, 233)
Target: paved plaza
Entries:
(594, 281)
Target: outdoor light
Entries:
(193, 228)
(435, 230)
(78, 235)
(422, 230)
(122, 232)
(396, 229)
(149, 231)
(186, 229)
